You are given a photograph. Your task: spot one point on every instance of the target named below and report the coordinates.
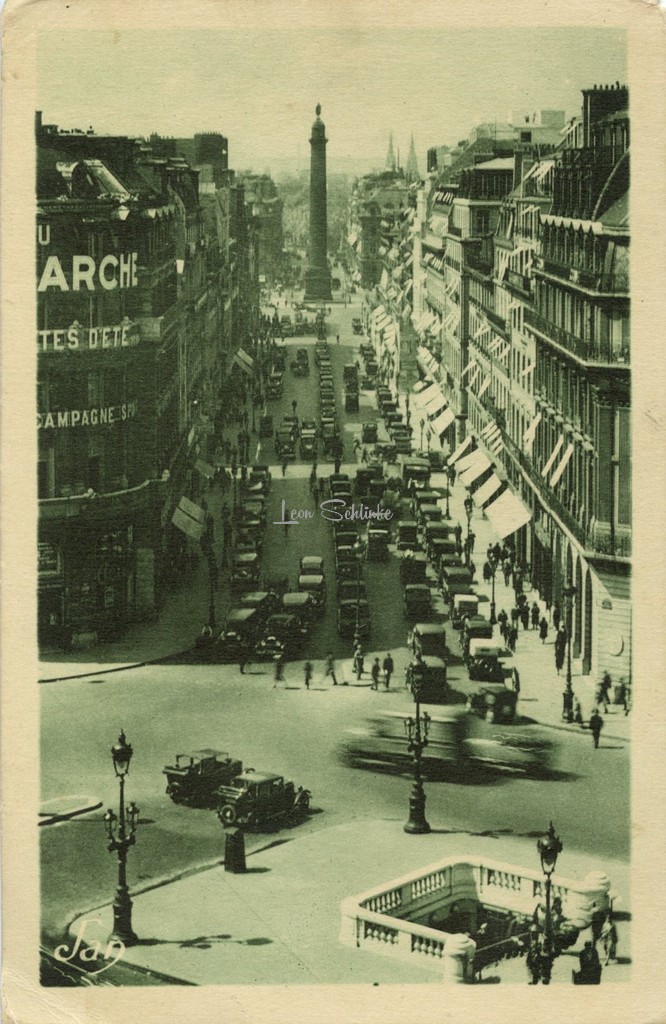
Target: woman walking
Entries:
(543, 629)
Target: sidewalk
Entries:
(279, 922)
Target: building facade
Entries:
(523, 300)
(139, 302)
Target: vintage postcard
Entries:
(333, 413)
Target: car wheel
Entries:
(228, 814)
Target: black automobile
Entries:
(196, 777)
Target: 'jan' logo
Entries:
(91, 951)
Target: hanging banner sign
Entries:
(94, 339)
(87, 417)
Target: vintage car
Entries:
(494, 703)
(346, 562)
(302, 356)
(260, 474)
(475, 627)
(351, 401)
(455, 580)
(488, 662)
(426, 496)
(408, 539)
(349, 590)
(264, 601)
(254, 507)
(413, 568)
(241, 628)
(381, 742)
(378, 543)
(282, 635)
(266, 425)
(416, 473)
(312, 565)
(428, 514)
(298, 603)
(315, 586)
(426, 678)
(285, 446)
(463, 606)
(354, 617)
(196, 777)
(357, 325)
(253, 799)
(245, 571)
(428, 639)
(308, 444)
(275, 384)
(417, 601)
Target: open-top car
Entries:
(256, 798)
(196, 777)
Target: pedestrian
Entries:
(358, 661)
(507, 570)
(543, 629)
(279, 670)
(337, 337)
(535, 613)
(557, 615)
(608, 938)
(284, 468)
(605, 687)
(502, 617)
(307, 669)
(337, 463)
(388, 667)
(623, 696)
(329, 667)
(596, 725)
(515, 680)
(242, 661)
(525, 616)
(590, 965)
(293, 407)
(513, 638)
(315, 494)
(497, 553)
(560, 651)
(452, 475)
(515, 615)
(470, 541)
(313, 475)
(578, 712)
(374, 672)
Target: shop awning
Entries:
(244, 361)
(443, 422)
(507, 514)
(458, 452)
(189, 518)
(433, 391)
(486, 490)
(382, 322)
(435, 406)
(473, 472)
(192, 510)
(553, 455)
(421, 386)
(468, 460)
(378, 311)
(557, 475)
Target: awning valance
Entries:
(557, 475)
(507, 514)
(468, 459)
(486, 490)
(378, 311)
(443, 422)
(431, 392)
(480, 464)
(435, 406)
(459, 451)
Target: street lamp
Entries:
(417, 742)
(358, 552)
(490, 570)
(568, 593)
(549, 849)
(447, 513)
(468, 505)
(422, 425)
(121, 839)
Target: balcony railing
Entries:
(128, 501)
(592, 541)
(587, 351)
(520, 282)
(590, 280)
(387, 919)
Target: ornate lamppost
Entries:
(120, 840)
(422, 425)
(469, 508)
(417, 729)
(549, 849)
(490, 570)
(568, 593)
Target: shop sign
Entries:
(87, 417)
(48, 560)
(85, 273)
(77, 338)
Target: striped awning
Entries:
(435, 405)
(507, 513)
(459, 451)
(480, 464)
(433, 391)
(243, 361)
(443, 422)
(486, 490)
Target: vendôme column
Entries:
(317, 275)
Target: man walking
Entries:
(279, 670)
(513, 638)
(329, 669)
(374, 672)
(284, 468)
(596, 725)
(535, 613)
(307, 668)
(388, 667)
(525, 616)
(358, 661)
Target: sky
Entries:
(260, 88)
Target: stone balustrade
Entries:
(389, 918)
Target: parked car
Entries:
(413, 568)
(357, 325)
(378, 542)
(463, 606)
(429, 639)
(408, 538)
(349, 590)
(487, 661)
(426, 675)
(299, 604)
(245, 571)
(494, 703)
(308, 444)
(253, 799)
(315, 586)
(285, 446)
(264, 601)
(261, 474)
(369, 433)
(312, 565)
(283, 634)
(354, 616)
(196, 777)
(417, 601)
(241, 628)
